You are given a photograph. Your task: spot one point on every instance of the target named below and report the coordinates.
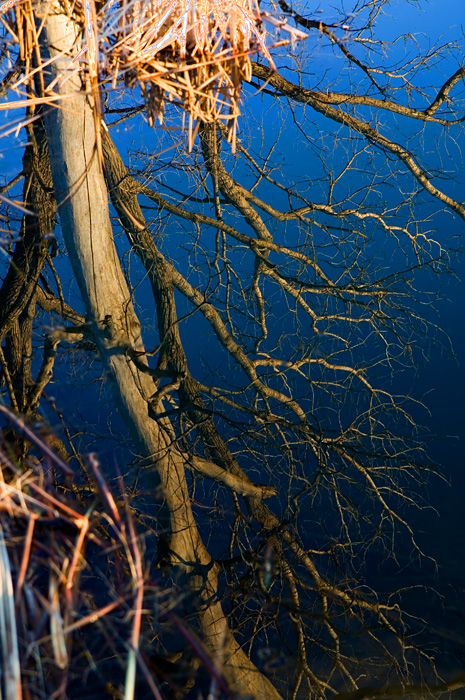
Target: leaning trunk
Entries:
(111, 321)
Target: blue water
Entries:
(439, 379)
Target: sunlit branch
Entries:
(299, 94)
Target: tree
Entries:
(308, 323)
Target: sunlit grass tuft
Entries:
(82, 605)
(194, 53)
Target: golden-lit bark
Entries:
(112, 324)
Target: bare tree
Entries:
(303, 285)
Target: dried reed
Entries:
(76, 595)
(194, 53)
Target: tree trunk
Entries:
(83, 208)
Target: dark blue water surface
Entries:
(439, 377)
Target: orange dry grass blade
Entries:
(25, 558)
(92, 617)
(59, 504)
(93, 58)
(83, 525)
(14, 500)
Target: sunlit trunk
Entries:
(113, 325)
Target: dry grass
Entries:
(76, 594)
(194, 53)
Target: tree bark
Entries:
(110, 317)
